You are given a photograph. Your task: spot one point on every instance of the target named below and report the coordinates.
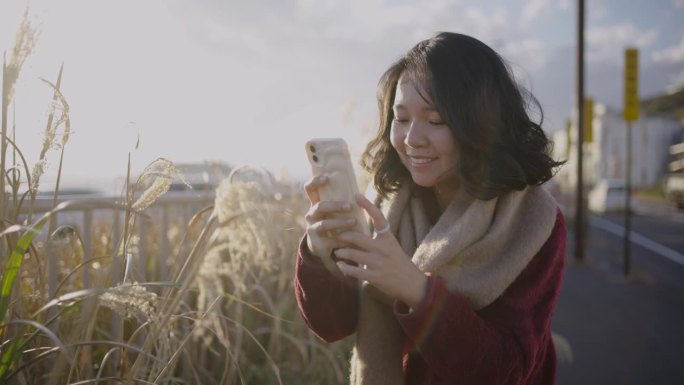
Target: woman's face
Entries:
(425, 144)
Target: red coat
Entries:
(446, 342)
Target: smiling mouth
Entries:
(420, 160)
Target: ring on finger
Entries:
(383, 230)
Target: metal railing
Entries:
(83, 213)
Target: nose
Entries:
(415, 137)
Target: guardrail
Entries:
(84, 212)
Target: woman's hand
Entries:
(322, 224)
(381, 260)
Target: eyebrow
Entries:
(402, 107)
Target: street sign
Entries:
(588, 120)
(631, 84)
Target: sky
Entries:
(248, 82)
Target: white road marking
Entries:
(638, 239)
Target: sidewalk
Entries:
(621, 330)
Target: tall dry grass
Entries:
(226, 315)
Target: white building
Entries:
(605, 157)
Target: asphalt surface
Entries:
(623, 329)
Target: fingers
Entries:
(329, 228)
(359, 257)
(326, 209)
(322, 246)
(311, 188)
(359, 240)
(379, 221)
(355, 263)
(353, 271)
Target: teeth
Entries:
(421, 160)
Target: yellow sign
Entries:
(588, 120)
(631, 84)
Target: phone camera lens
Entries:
(315, 158)
(312, 148)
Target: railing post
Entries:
(115, 239)
(117, 323)
(164, 244)
(87, 244)
(142, 251)
(53, 268)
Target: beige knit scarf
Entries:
(477, 247)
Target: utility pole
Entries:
(631, 113)
(579, 204)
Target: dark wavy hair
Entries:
(500, 148)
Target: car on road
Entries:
(607, 195)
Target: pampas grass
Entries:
(162, 172)
(82, 306)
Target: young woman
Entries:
(460, 279)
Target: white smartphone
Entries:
(330, 157)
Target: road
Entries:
(625, 329)
(657, 244)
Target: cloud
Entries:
(563, 4)
(382, 22)
(488, 25)
(673, 57)
(251, 39)
(673, 54)
(369, 20)
(596, 10)
(533, 9)
(678, 3)
(677, 81)
(353, 21)
(605, 43)
(531, 53)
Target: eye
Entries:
(398, 119)
(436, 122)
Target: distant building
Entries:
(199, 176)
(661, 125)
